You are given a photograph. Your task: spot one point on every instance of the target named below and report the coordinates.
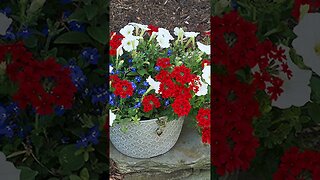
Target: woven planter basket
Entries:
(148, 139)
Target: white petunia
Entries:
(296, 91)
(153, 84)
(110, 69)
(206, 74)
(130, 43)
(164, 33)
(127, 30)
(164, 38)
(204, 48)
(191, 34)
(5, 23)
(203, 88)
(178, 32)
(139, 26)
(112, 117)
(307, 43)
(163, 42)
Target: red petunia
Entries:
(123, 88)
(205, 133)
(149, 102)
(163, 62)
(182, 74)
(203, 117)
(152, 29)
(181, 106)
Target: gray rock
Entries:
(186, 157)
(7, 170)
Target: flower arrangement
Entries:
(154, 74)
(265, 83)
(53, 88)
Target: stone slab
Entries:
(188, 154)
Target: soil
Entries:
(192, 15)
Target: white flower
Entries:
(203, 88)
(110, 69)
(164, 33)
(130, 43)
(164, 38)
(153, 84)
(204, 48)
(296, 91)
(206, 74)
(127, 30)
(112, 117)
(191, 34)
(119, 51)
(307, 43)
(178, 31)
(5, 23)
(139, 26)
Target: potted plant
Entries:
(156, 80)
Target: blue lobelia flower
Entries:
(138, 79)
(24, 33)
(141, 91)
(94, 135)
(65, 1)
(112, 99)
(157, 68)
(66, 14)
(145, 83)
(77, 76)
(65, 140)
(59, 110)
(167, 102)
(169, 52)
(82, 142)
(137, 105)
(77, 26)
(130, 61)
(13, 109)
(7, 11)
(9, 34)
(91, 55)
(99, 94)
(133, 69)
(134, 86)
(45, 31)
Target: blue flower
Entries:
(99, 94)
(9, 34)
(82, 142)
(91, 55)
(45, 31)
(13, 109)
(7, 130)
(59, 110)
(157, 68)
(134, 86)
(7, 11)
(167, 102)
(133, 69)
(65, 1)
(65, 140)
(93, 135)
(77, 26)
(138, 79)
(130, 61)
(234, 4)
(145, 83)
(169, 52)
(66, 14)
(24, 33)
(137, 105)
(141, 91)
(112, 99)
(77, 76)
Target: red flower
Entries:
(203, 117)
(123, 88)
(162, 75)
(206, 135)
(205, 62)
(181, 106)
(149, 102)
(115, 42)
(167, 88)
(163, 62)
(182, 74)
(152, 29)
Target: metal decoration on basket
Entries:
(148, 139)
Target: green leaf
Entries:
(142, 72)
(99, 34)
(78, 15)
(69, 160)
(84, 174)
(91, 11)
(31, 42)
(73, 38)
(74, 177)
(86, 156)
(27, 173)
(314, 112)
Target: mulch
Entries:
(193, 15)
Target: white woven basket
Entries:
(147, 139)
